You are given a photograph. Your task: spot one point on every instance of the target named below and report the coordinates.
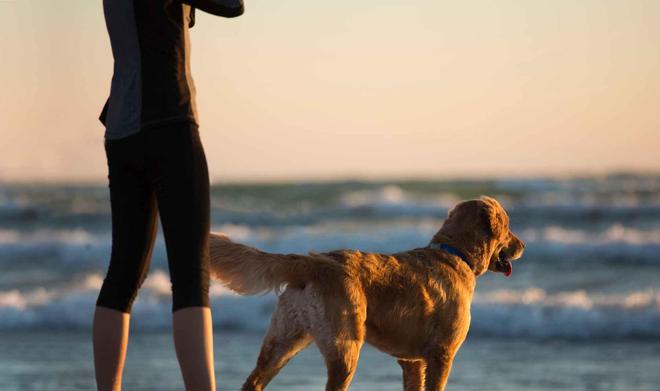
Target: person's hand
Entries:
(225, 8)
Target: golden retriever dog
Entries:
(413, 305)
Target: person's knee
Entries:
(190, 292)
(119, 296)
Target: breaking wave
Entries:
(531, 313)
(79, 247)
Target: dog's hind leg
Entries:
(340, 340)
(413, 374)
(341, 357)
(275, 354)
(438, 366)
(282, 342)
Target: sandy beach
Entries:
(63, 361)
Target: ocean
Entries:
(581, 310)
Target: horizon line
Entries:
(375, 178)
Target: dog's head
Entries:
(480, 229)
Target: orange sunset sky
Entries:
(299, 89)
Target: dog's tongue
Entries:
(507, 268)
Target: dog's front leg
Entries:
(413, 374)
(438, 366)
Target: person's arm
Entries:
(225, 8)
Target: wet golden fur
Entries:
(413, 305)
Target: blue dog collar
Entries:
(451, 250)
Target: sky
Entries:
(316, 90)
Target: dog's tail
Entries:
(249, 271)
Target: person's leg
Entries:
(134, 212)
(110, 339)
(181, 183)
(193, 342)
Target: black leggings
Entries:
(160, 170)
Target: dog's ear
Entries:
(468, 218)
(496, 218)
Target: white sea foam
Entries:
(576, 314)
(43, 236)
(532, 313)
(392, 200)
(617, 239)
(72, 306)
(386, 195)
(68, 248)
(616, 233)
